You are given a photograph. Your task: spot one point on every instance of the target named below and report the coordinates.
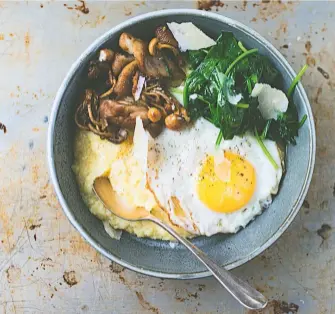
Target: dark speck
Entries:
(325, 231)
(31, 144)
(305, 204)
(45, 119)
(33, 226)
(323, 72)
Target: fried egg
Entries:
(207, 189)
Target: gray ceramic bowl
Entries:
(157, 258)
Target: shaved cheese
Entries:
(271, 101)
(140, 148)
(113, 233)
(139, 87)
(190, 37)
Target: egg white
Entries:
(174, 160)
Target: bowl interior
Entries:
(158, 257)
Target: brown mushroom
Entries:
(177, 74)
(106, 55)
(150, 65)
(165, 36)
(124, 82)
(174, 122)
(111, 83)
(113, 134)
(116, 135)
(155, 46)
(123, 115)
(155, 129)
(87, 112)
(97, 70)
(154, 114)
(120, 61)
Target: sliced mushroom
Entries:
(124, 82)
(132, 45)
(165, 36)
(98, 70)
(111, 83)
(177, 74)
(118, 135)
(149, 65)
(106, 55)
(155, 46)
(155, 129)
(87, 112)
(123, 115)
(120, 61)
(113, 134)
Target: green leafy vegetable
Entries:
(242, 47)
(239, 58)
(195, 57)
(296, 80)
(219, 89)
(265, 150)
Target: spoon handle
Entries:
(239, 289)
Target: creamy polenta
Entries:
(94, 157)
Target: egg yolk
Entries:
(226, 186)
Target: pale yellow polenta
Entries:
(93, 158)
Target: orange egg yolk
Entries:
(226, 186)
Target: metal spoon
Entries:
(240, 290)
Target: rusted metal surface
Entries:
(45, 266)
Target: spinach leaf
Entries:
(195, 57)
(219, 56)
(204, 81)
(256, 69)
(286, 127)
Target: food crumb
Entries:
(323, 72)
(308, 46)
(70, 278)
(33, 226)
(310, 61)
(207, 5)
(324, 232)
(82, 8)
(3, 128)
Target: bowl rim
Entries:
(100, 41)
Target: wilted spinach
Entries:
(225, 71)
